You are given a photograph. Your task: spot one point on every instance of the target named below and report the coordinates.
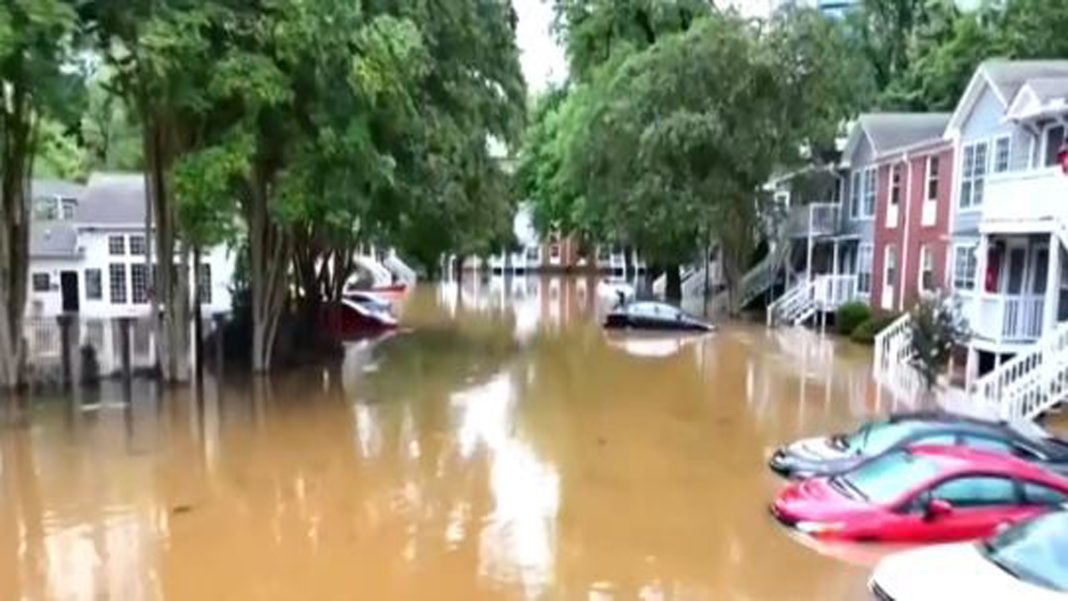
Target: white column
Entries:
(1053, 283)
(980, 281)
(834, 268)
(808, 254)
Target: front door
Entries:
(68, 285)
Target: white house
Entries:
(87, 251)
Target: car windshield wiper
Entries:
(848, 488)
(840, 441)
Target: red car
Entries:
(921, 494)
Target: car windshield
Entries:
(1035, 552)
(884, 479)
(876, 437)
(653, 310)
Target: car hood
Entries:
(816, 454)
(952, 572)
(816, 500)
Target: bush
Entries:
(849, 316)
(865, 332)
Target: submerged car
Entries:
(921, 494)
(650, 315)
(833, 454)
(1027, 562)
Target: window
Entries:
(1054, 139)
(973, 175)
(864, 266)
(137, 245)
(117, 283)
(890, 266)
(927, 279)
(1001, 154)
(1039, 494)
(870, 181)
(884, 479)
(41, 282)
(69, 205)
(94, 289)
(976, 491)
(44, 208)
(938, 440)
(204, 283)
(964, 267)
(984, 443)
(895, 185)
(139, 283)
(932, 178)
(854, 195)
(116, 245)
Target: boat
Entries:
(351, 317)
(651, 315)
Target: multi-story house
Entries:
(837, 252)
(912, 211)
(1010, 207)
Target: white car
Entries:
(1028, 562)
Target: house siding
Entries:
(983, 123)
(910, 235)
(862, 158)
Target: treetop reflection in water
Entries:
(500, 448)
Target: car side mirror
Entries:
(937, 509)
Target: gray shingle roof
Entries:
(113, 198)
(1049, 88)
(55, 187)
(1008, 77)
(892, 131)
(53, 239)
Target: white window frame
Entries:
(94, 284)
(137, 245)
(889, 290)
(865, 266)
(972, 262)
(869, 196)
(896, 185)
(929, 214)
(926, 266)
(113, 248)
(855, 186)
(1045, 142)
(968, 176)
(138, 283)
(1007, 140)
(118, 291)
(39, 277)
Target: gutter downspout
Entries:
(905, 233)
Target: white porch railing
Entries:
(1044, 190)
(1031, 382)
(893, 345)
(795, 306)
(816, 219)
(1007, 318)
(833, 291)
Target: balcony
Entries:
(1006, 318)
(1025, 201)
(815, 219)
(833, 291)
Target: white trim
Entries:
(905, 234)
(893, 210)
(951, 267)
(926, 252)
(929, 203)
(886, 300)
(995, 140)
(870, 272)
(1044, 134)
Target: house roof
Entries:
(113, 198)
(889, 132)
(1005, 78)
(55, 187)
(1046, 96)
(55, 239)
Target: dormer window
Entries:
(68, 207)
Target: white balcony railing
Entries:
(817, 219)
(1016, 200)
(833, 291)
(1005, 317)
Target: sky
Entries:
(543, 59)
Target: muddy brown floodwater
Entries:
(501, 447)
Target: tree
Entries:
(36, 38)
(936, 327)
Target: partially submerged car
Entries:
(1027, 562)
(833, 454)
(921, 494)
(652, 315)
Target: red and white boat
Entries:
(357, 315)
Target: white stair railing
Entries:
(893, 345)
(1030, 383)
(794, 307)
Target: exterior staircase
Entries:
(1029, 384)
(794, 307)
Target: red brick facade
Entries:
(914, 241)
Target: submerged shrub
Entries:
(865, 332)
(849, 316)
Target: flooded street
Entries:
(501, 446)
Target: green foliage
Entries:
(867, 330)
(849, 316)
(937, 326)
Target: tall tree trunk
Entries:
(673, 288)
(18, 130)
(268, 264)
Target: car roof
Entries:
(941, 420)
(960, 460)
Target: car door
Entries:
(979, 504)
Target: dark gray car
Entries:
(833, 454)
